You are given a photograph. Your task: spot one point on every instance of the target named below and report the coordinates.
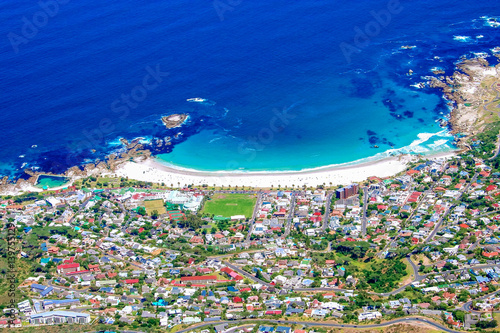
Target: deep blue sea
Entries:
(282, 85)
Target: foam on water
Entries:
(464, 39)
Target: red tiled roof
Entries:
(198, 278)
(65, 266)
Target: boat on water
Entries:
(196, 100)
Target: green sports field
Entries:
(228, 205)
(152, 205)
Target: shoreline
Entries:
(468, 116)
(153, 171)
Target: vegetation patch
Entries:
(228, 205)
(385, 276)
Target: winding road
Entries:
(408, 320)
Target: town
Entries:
(118, 254)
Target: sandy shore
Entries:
(152, 171)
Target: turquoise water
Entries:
(324, 132)
(45, 181)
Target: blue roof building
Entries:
(266, 329)
(283, 329)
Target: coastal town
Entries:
(118, 254)
(233, 166)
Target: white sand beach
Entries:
(152, 171)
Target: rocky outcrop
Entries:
(174, 120)
(134, 150)
(466, 90)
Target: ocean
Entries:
(280, 85)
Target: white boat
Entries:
(196, 100)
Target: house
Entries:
(283, 329)
(490, 254)
(369, 315)
(199, 279)
(41, 289)
(59, 317)
(266, 329)
(68, 268)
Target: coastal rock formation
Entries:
(468, 90)
(174, 120)
(134, 150)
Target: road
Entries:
(408, 320)
(288, 225)
(392, 242)
(326, 217)
(467, 306)
(417, 278)
(441, 219)
(246, 274)
(364, 220)
(254, 216)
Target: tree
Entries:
(141, 211)
(486, 324)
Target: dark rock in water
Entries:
(373, 140)
(362, 88)
(390, 143)
(408, 114)
(370, 133)
(299, 136)
(396, 116)
(390, 106)
(441, 107)
(421, 120)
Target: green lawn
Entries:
(152, 205)
(228, 205)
